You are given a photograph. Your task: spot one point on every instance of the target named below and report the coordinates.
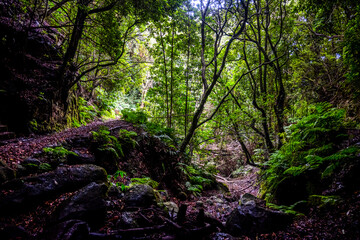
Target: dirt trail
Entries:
(220, 204)
(241, 185)
(16, 150)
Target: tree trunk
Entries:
(64, 80)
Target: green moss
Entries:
(144, 180)
(323, 201)
(58, 153)
(285, 209)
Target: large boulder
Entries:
(86, 204)
(251, 219)
(28, 191)
(140, 195)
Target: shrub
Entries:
(198, 179)
(313, 145)
(135, 117)
(164, 134)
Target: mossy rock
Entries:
(108, 159)
(222, 187)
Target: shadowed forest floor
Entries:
(336, 222)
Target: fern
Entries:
(311, 146)
(127, 137)
(107, 142)
(198, 178)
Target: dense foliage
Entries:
(314, 148)
(200, 76)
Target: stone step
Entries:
(3, 128)
(6, 135)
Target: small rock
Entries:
(80, 158)
(247, 199)
(32, 161)
(172, 208)
(114, 191)
(127, 220)
(222, 187)
(218, 200)
(140, 195)
(29, 166)
(209, 201)
(29, 191)
(221, 236)
(3, 163)
(108, 159)
(199, 204)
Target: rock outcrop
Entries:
(28, 191)
(251, 219)
(86, 204)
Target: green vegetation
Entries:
(136, 117)
(57, 154)
(313, 146)
(323, 201)
(120, 180)
(144, 180)
(198, 179)
(276, 83)
(127, 137)
(104, 141)
(286, 209)
(140, 118)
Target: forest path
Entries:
(220, 204)
(244, 184)
(16, 150)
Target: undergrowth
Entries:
(107, 142)
(57, 154)
(119, 178)
(198, 179)
(313, 145)
(140, 118)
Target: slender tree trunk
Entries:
(187, 76)
(166, 80)
(207, 89)
(172, 75)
